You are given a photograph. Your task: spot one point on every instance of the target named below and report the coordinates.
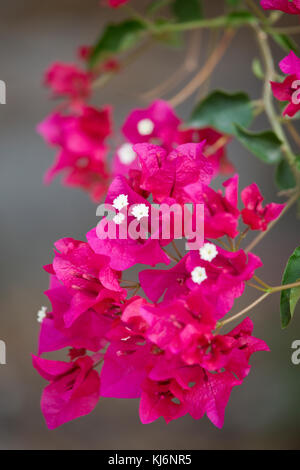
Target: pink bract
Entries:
(287, 6)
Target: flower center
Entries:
(42, 313)
(140, 210)
(198, 275)
(119, 218)
(126, 154)
(145, 126)
(208, 252)
(120, 202)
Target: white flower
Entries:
(120, 202)
(198, 275)
(140, 210)
(42, 313)
(208, 252)
(126, 154)
(119, 218)
(145, 126)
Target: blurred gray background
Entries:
(264, 412)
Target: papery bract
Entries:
(74, 389)
(287, 6)
(288, 90)
(254, 214)
(221, 213)
(68, 80)
(81, 136)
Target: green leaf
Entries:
(187, 10)
(285, 42)
(294, 298)
(240, 17)
(264, 145)
(257, 69)
(171, 38)
(233, 3)
(291, 274)
(156, 5)
(284, 177)
(116, 38)
(222, 110)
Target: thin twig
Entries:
(170, 256)
(292, 130)
(256, 287)
(189, 65)
(260, 281)
(284, 287)
(176, 249)
(206, 71)
(287, 30)
(268, 97)
(245, 310)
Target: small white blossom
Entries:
(208, 252)
(145, 126)
(126, 154)
(42, 313)
(198, 275)
(119, 218)
(140, 210)
(120, 202)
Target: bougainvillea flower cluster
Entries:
(140, 315)
(79, 131)
(158, 124)
(80, 135)
(288, 90)
(68, 80)
(156, 338)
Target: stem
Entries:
(176, 249)
(268, 97)
(256, 10)
(245, 310)
(241, 237)
(217, 145)
(272, 290)
(206, 71)
(170, 256)
(289, 204)
(287, 30)
(189, 65)
(131, 57)
(218, 22)
(256, 287)
(261, 282)
(284, 287)
(293, 132)
(136, 291)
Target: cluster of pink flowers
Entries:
(158, 124)
(79, 131)
(288, 90)
(159, 338)
(166, 350)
